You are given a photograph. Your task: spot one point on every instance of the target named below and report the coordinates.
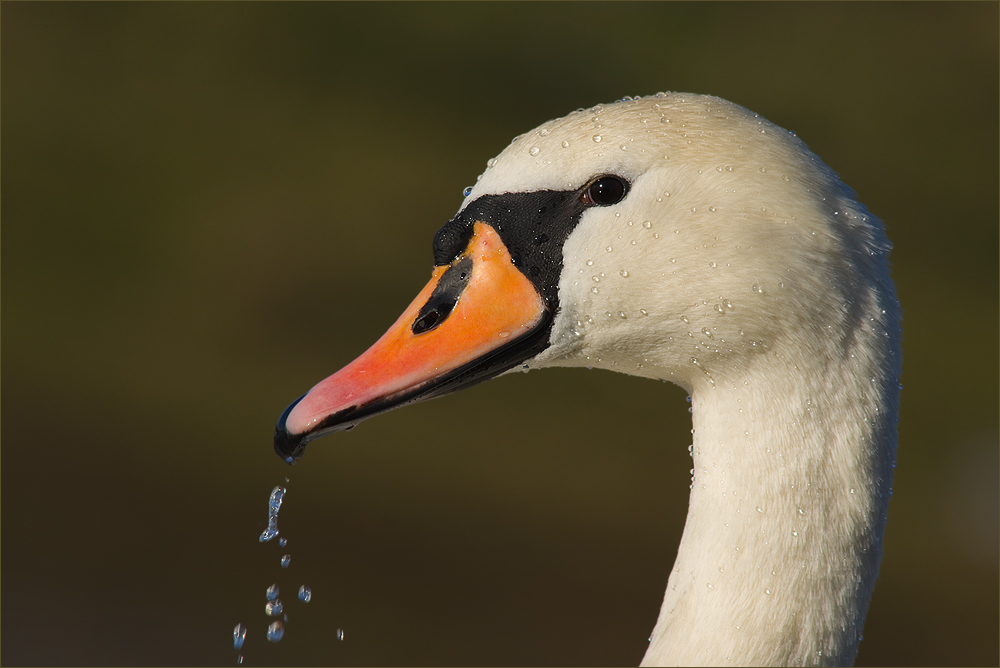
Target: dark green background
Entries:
(209, 207)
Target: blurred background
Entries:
(207, 208)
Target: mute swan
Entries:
(683, 238)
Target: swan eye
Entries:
(606, 191)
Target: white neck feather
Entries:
(783, 537)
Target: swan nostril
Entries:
(425, 322)
(432, 319)
(444, 298)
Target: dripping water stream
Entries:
(275, 610)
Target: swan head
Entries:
(676, 236)
(733, 237)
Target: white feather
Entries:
(742, 269)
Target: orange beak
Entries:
(477, 317)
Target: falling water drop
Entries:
(273, 506)
(340, 634)
(275, 631)
(285, 560)
(305, 594)
(239, 635)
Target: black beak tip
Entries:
(288, 446)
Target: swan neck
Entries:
(787, 509)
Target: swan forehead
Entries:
(629, 138)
